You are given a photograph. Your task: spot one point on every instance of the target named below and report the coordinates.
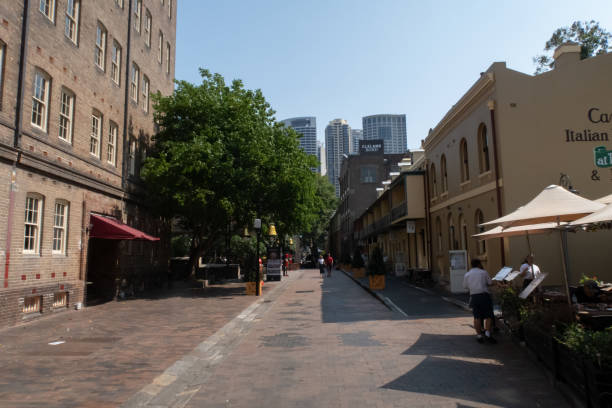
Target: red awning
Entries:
(109, 228)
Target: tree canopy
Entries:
(220, 159)
(592, 38)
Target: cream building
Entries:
(510, 136)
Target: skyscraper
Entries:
(321, 158)
(337, 143)
(390, 128)
(307, 127)
(356, 136)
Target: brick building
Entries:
(75, 122)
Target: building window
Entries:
(72, 20)
(60, 226)
(434, 183)
(145, 94)
(33, 216)
(159, 47)
(167, 58)
(60, 299)
(483, 149)
(111, 151)
(132, 158)
(32, 304)
(134, 82)
(464, 232)
(451, 234)
(40, 100)
(96, 133)
(170, 9)
(119, 3)
(66, 115)
(116, 63)
(368, 174)
(137, 14)
(439, 234)
(465, 167)
(444, 174)
(147, 28)
(478, 220)
(2, 53)
(100, 51)
(47, 7)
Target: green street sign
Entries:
(603, 157)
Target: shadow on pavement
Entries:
(454, 345)
(450, 381)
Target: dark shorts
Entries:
(322, 268)
(482, 306)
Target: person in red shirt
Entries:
(329, 262)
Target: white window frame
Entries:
(100, 49)
(72, 20)
(132, 158)
(47, 9)
(145, 93)
(134, 82)
(66, 116)
(160, 48)
(137, 15)
(119, 3)
(40, 99)
(2, 58)
(170, 9)
(32, 223)
(60, 227)
(147, 28)
(116, 63)
(111, 150)
(167, 58)
(96, 134)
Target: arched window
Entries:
(434, 183)
(483, 149)
(439, 234)
(464, 232)
(451, 233)
(465, 168)
(479, 219)
(444, 174)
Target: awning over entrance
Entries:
(109, 228)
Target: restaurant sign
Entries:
(603, 157)
(371, 146)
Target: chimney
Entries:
(566, 54)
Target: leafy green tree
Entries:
(220, 160)
(593, 40)
(323, 208)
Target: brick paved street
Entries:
(307, 343)
(110, 350)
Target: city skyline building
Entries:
(389, 127)
(356, 136)
(321, 158)
(307, 127)
(337, 145)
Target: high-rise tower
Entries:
(390, 128)
(338, 144)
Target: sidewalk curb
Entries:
(378, 296)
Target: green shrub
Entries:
(357, 261)
(376, 264)
(594, 345)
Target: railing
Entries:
(399, 211)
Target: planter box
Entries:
(358, 273)
(377, 282)
(542, 343)
(251, 288)
(599, 385)
(570, 370)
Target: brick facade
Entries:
(35, 161)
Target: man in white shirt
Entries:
(529, 271)
(477, 281)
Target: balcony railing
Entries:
(399, 211)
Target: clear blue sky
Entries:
(352, 58)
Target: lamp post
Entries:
(257, 226)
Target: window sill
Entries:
(465, 183)
(444, 195)
(485, 174)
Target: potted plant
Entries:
(358, 264)
(376, 270)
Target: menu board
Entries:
(512, 275)
(534, 284)
(503, 272)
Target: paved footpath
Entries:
(110, 351)
(328, 343)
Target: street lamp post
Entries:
(257, 226)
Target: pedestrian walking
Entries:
(477, 281)
(321, 266)
(329, 261)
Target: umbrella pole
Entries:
(528, 242)
(563, 237)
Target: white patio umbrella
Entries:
(603, 215)
(521, 230)
(605, 200)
